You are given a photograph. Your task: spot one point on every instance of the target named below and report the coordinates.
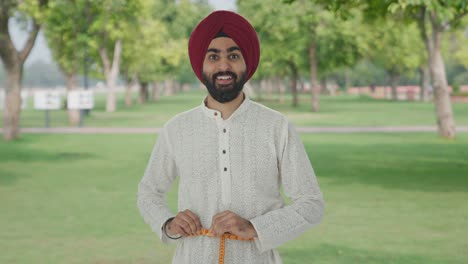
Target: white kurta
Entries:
(236, 164)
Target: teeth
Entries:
(224, 77)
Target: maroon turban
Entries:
(236, 27)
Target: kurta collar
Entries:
(215, 114)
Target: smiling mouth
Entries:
(224, 78)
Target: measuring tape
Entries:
(222, 242)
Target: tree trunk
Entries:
(293, 83)
(155, 93)
(263, 84)
(424, 83)
(443, 105)
(347, 81)
(12, 106)
(323, 86)
(144, 93)
(168, 87)
(13, 61)
(111, 72)
(129, 90)
(282, 90)
(394, 80)
(314, 87)
(269, 86)
(73, 114)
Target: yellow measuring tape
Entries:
(206, 232)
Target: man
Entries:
(231, 156)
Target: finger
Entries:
(224, 224)
(184, 227)
(174, 228)
(195, 219)
(217, 217)
(216, 224)
(188, 224)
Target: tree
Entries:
(396, 48)
(442, 16)
(434, 18)
(156, 50)
(109, 28)
(66, 32)
(303, 37)
(31, 12)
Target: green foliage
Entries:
(287, 30)
(156, 48)
(66, 30)
(446, 13)
(396, 47)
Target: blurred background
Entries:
(377, 89)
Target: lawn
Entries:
(344, 110)
(391, 198)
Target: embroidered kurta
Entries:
(237, 164)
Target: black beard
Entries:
(225, 93)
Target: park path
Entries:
(148, 130)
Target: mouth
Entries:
(224, 78)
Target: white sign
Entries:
(80, 100)
(24, 99)
(47, 100)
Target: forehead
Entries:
(222, 44)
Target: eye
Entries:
(234, 56)
(212, 57)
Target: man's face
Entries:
(224, 69)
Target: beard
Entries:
(224, 93)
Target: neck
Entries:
(226, 109)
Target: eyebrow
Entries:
(231, 49)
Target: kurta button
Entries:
(224, 130)
(224, 151)
(225, 169)
(215, 114)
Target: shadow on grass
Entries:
(26, 155)
(327, 253)
(20, 153)
(408, 166)
(7, 177)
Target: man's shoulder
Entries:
(185, 117)
(267, 112)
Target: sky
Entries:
(41, 52)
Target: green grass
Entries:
(345, 110)
(391, 198)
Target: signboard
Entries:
(47, 100)
(24, 99)
(80, 99)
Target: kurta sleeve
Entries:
(300, 185)
(159, 175)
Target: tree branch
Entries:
(23, 54)
(105, 60)
(116, 58)
(458, 17)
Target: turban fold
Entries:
(233, 25)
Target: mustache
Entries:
(233, 75)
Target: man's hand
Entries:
(185, 223)
(229, 222)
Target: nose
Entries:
(223, 65)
